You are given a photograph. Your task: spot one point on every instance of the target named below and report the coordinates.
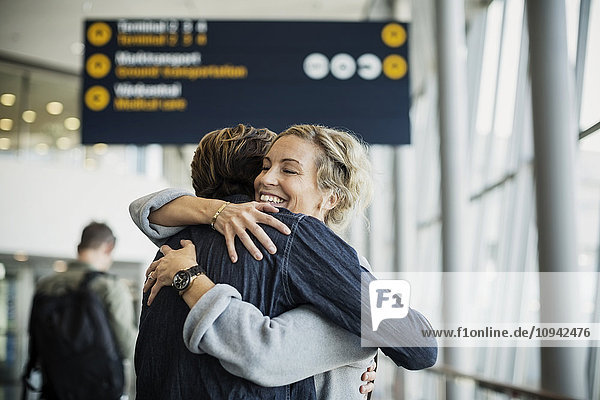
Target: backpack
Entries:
(72, 341)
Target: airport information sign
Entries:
(171, 81)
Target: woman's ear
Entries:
(331, 201)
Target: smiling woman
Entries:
(325, 173)
(289, 179)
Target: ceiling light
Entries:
(72, 123)
(100, 148)
(63, 143)
(6, 124)
(8, 99)
(41, 148)
(54, 108)
(4, 143)
(29, 116)
(21, 256)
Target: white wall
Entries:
(43, 209)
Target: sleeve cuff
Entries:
(141, 208)
(205, 312)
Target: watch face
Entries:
(181, 280)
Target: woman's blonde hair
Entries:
(343, 168)
(226, 161)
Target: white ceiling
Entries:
(49, 32)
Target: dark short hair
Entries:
(227, 161)
(94, 235)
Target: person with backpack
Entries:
(82, 325)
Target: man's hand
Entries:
(161, 272)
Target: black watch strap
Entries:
(196, 270)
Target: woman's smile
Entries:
(289, 178)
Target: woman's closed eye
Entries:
(290, 172)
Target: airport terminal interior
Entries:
(497, 188)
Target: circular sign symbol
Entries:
(99, 33)
(393, 35)
(97, 98)
(369, 66)
(394, 66)
(97, 66)
(316, 66)
(343, 66)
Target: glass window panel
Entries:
(489, 69)
(487, 93)
(382, 233)
(588, 198)
(572, 19)
(590, 102)
(516, 243)
(426, 143)
(475, 43)
(525, 146)
(497, 159)
(588, 217)
(429, 242)
(527, 366)
(522, 110)
(491, 231)
(507, 85)
(509, 65)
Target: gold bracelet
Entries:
(214, 218)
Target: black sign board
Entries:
(171, 81)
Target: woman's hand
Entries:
(368, 377)
(161, 272)
(236, 219)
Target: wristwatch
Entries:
(184, 277)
